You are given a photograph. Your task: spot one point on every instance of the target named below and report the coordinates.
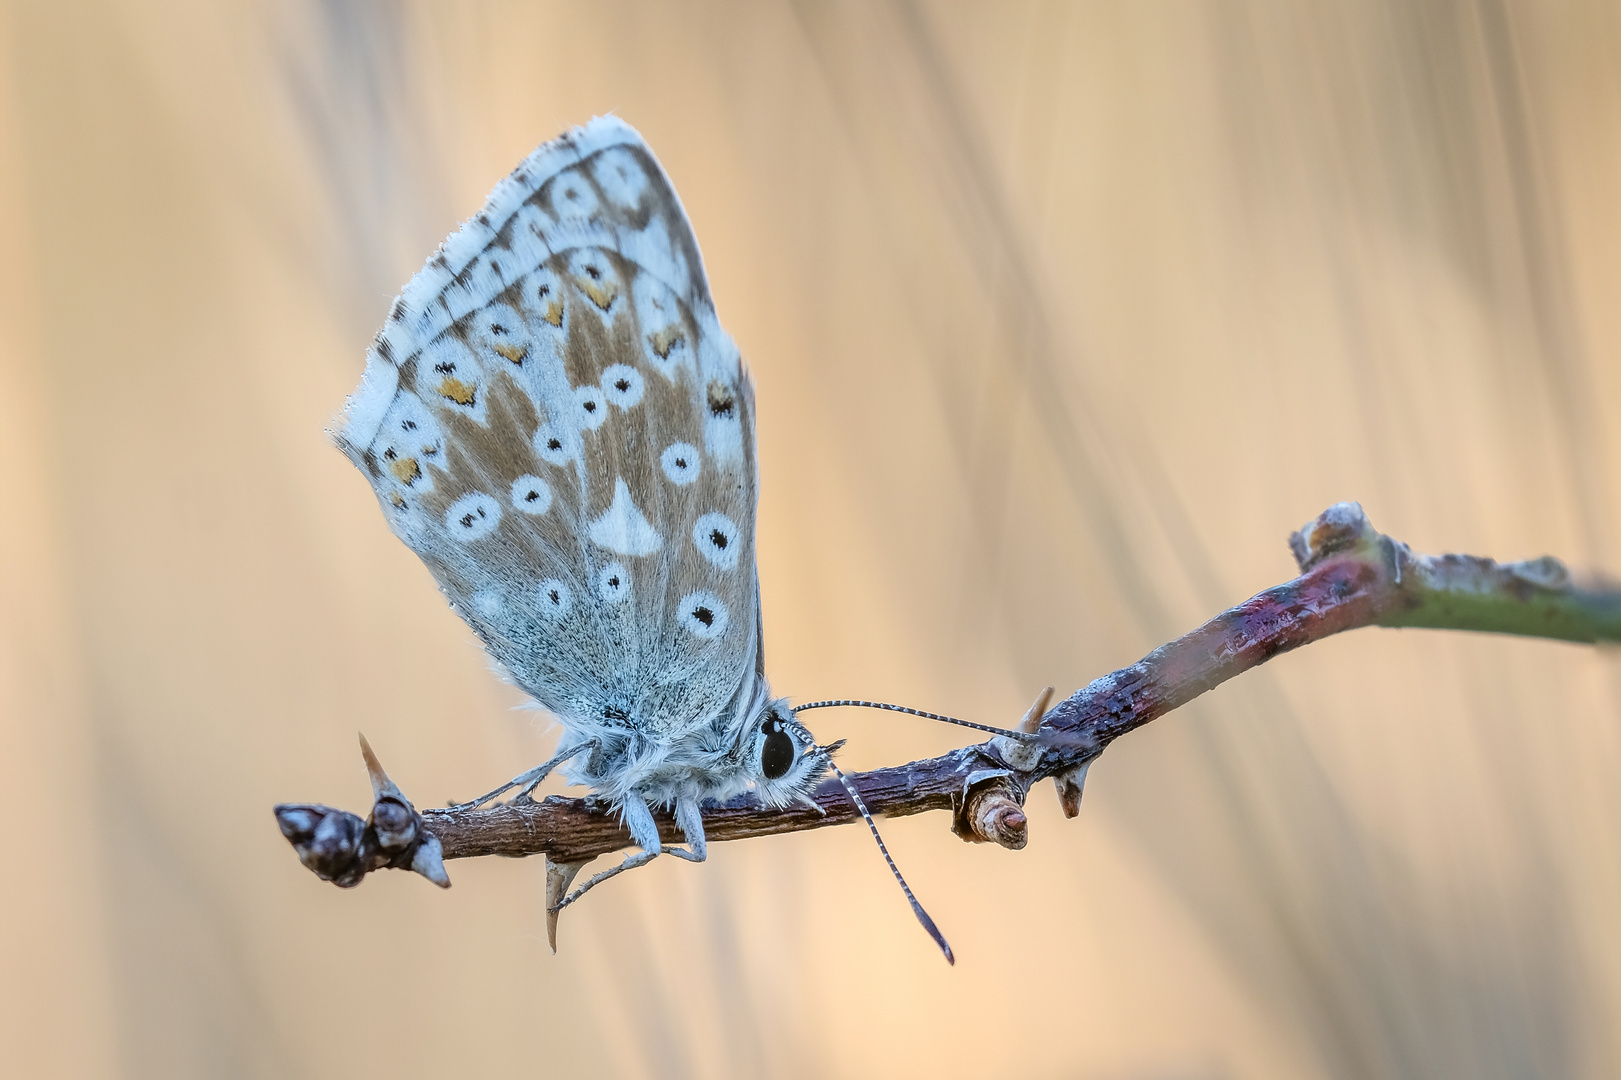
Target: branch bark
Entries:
(1351, 576)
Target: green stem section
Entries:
(1532, 598)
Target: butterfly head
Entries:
(783, 756)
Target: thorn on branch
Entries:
(559, 877)
(1024, 755)
(1070, 784)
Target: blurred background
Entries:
(1062, 316)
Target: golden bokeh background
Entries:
(1062, 316)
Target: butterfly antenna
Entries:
(1018, 736)
(917, 908)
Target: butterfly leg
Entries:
(528, 781)
(691, 821)
(643, 830)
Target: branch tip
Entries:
(1343, 527)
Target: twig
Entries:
(1351, 576)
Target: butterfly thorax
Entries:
(721, 758)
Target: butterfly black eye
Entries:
(777, 755)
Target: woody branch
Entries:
(1350, 576)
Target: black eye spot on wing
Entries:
(681, 463)
(716, 537)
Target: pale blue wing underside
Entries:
(553, 419)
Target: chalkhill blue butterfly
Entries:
(554, 421)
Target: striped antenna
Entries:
(1009, 733)
(917, 908)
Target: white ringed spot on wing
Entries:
(613, 583)
(554, 597)
(552, 445)
(592, 409)
(572, 195)
(472, 517)
(716, 538)
(681, 463)
(622, 385)
(531, 494)
(620, 177)
(703, 615)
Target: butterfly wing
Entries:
(554, 421)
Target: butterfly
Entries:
(552, 418)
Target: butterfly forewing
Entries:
(553, 419)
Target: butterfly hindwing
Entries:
(553, 419)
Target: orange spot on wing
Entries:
(514, 353)
(665, 340)
(456, 390)
(406, 471)
(554, 313)
(602, 293)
